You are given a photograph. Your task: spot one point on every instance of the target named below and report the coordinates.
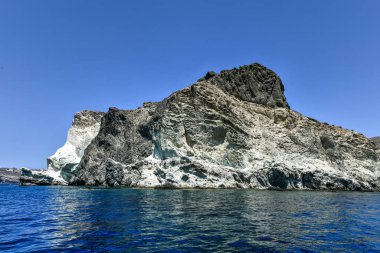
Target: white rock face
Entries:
(61, 165)
(84, 129)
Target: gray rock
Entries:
(124, 137)
(9, 175)
(252, 83)
(37, 177)
(17, 176)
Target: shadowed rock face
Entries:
(124, 138)
(229, 130)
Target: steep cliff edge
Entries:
(233, 130)
(62, 164)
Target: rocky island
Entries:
(232, 129)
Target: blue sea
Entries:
(79, 219)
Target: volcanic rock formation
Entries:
(228, 130)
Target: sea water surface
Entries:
(78, 219)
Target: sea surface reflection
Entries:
(56, 219)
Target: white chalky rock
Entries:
(61, 165)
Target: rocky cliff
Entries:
(228, 130)
(63, 163)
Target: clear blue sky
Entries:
(59, 57)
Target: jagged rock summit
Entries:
(228, 130)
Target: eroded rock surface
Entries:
(229, 130)
(124, 138)
(61, 165)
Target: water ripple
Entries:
(73, 219)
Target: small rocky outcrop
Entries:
(252, 83)
(63, 163)
(228, 130)
(9, 175)
(40, 177)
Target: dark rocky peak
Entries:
(252, 83)
(87, 118)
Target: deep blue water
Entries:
(56, 219)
